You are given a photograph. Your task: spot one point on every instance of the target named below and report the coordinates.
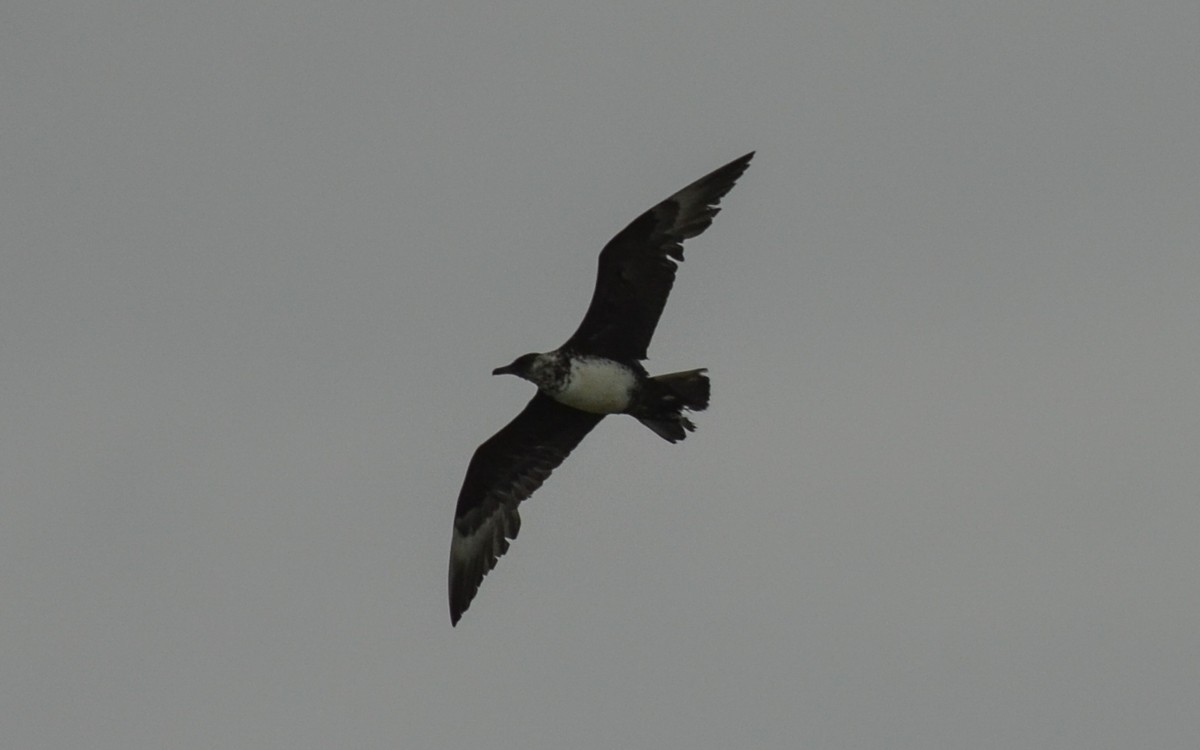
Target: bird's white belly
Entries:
(597, 386)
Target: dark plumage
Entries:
(637, 267)
(596, 372)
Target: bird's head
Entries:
(522, 366)
(546, 371)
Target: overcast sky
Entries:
(259, 258)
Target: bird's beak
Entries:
(506, 370)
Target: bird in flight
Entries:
(598, 371)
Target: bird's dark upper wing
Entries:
(637, 267)
(504, 471)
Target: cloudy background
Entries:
(259, 258)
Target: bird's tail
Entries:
(673, 393)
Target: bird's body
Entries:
(597, 372)
(593, 384)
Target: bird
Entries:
(597, 372)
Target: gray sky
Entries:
(260, 258)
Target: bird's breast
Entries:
(599, 386)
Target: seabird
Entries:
(598, 371)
